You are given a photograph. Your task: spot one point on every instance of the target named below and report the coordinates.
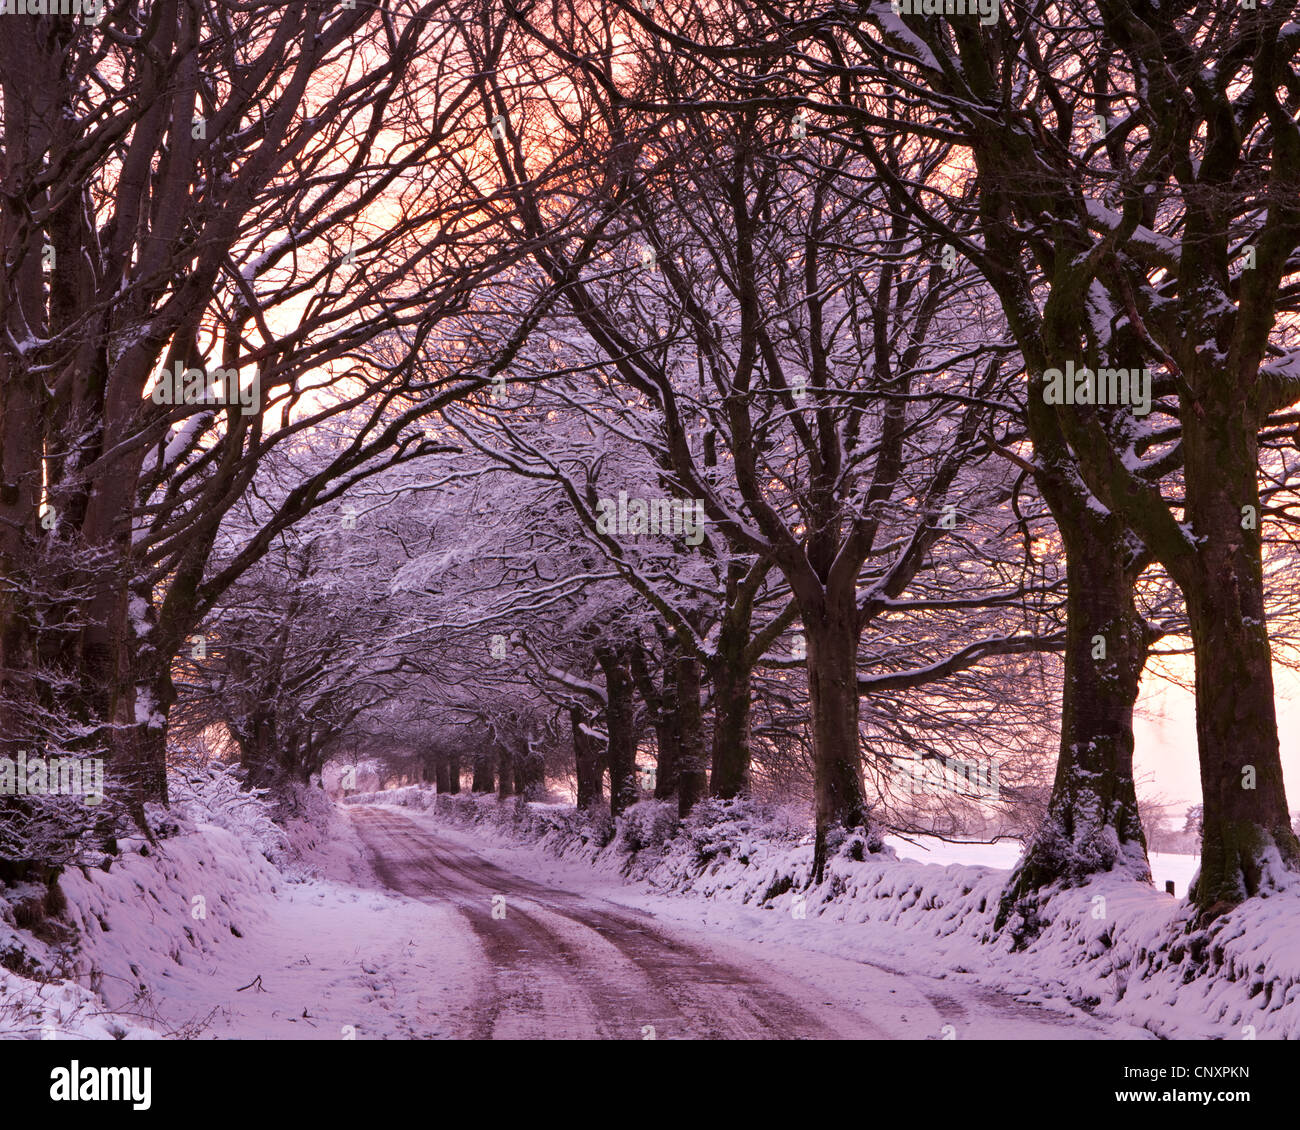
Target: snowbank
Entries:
(207, 932)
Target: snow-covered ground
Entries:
(235, 927)
(313, 948)
(572, 956)
(967, 997)
(1117, 948)
(206, 937)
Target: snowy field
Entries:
(1165, 866)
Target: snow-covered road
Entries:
(562, 964)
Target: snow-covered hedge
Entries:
(213, 795)
(82, 958)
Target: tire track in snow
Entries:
(564, 966)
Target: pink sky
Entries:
(1165, 732)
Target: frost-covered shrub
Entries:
(600, 827)
(41, 834)
(779, 885)
(724, 829)
(213, 795)
(648, 824)
(857, 846)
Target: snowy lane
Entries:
(560, 964)
(566, 967)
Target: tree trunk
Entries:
(731, 675)
(692, 782)
(140, 755)
(662, 700)
(453, 772)
(667, 723)
(586, 755)
(1245, 809)
(442, 771)
(833, 697)
(256, 743)
(505, 771)
(1245, 815)
(530, 772)
(142, 704)
(147, 633)
(620, 711)
(31, 103)
(1092, 823)
(483, 780)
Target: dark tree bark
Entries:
(258, 741)
(441, 770)
(453, 772)
(1245, 807)
(505, 770)
(668, 738)
(662, 701)
(1092, 821)
(731, 673)
(834, 701)
(620, 725)
(692, 782)
(530, 770)
(483, 782)
(587, 762)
